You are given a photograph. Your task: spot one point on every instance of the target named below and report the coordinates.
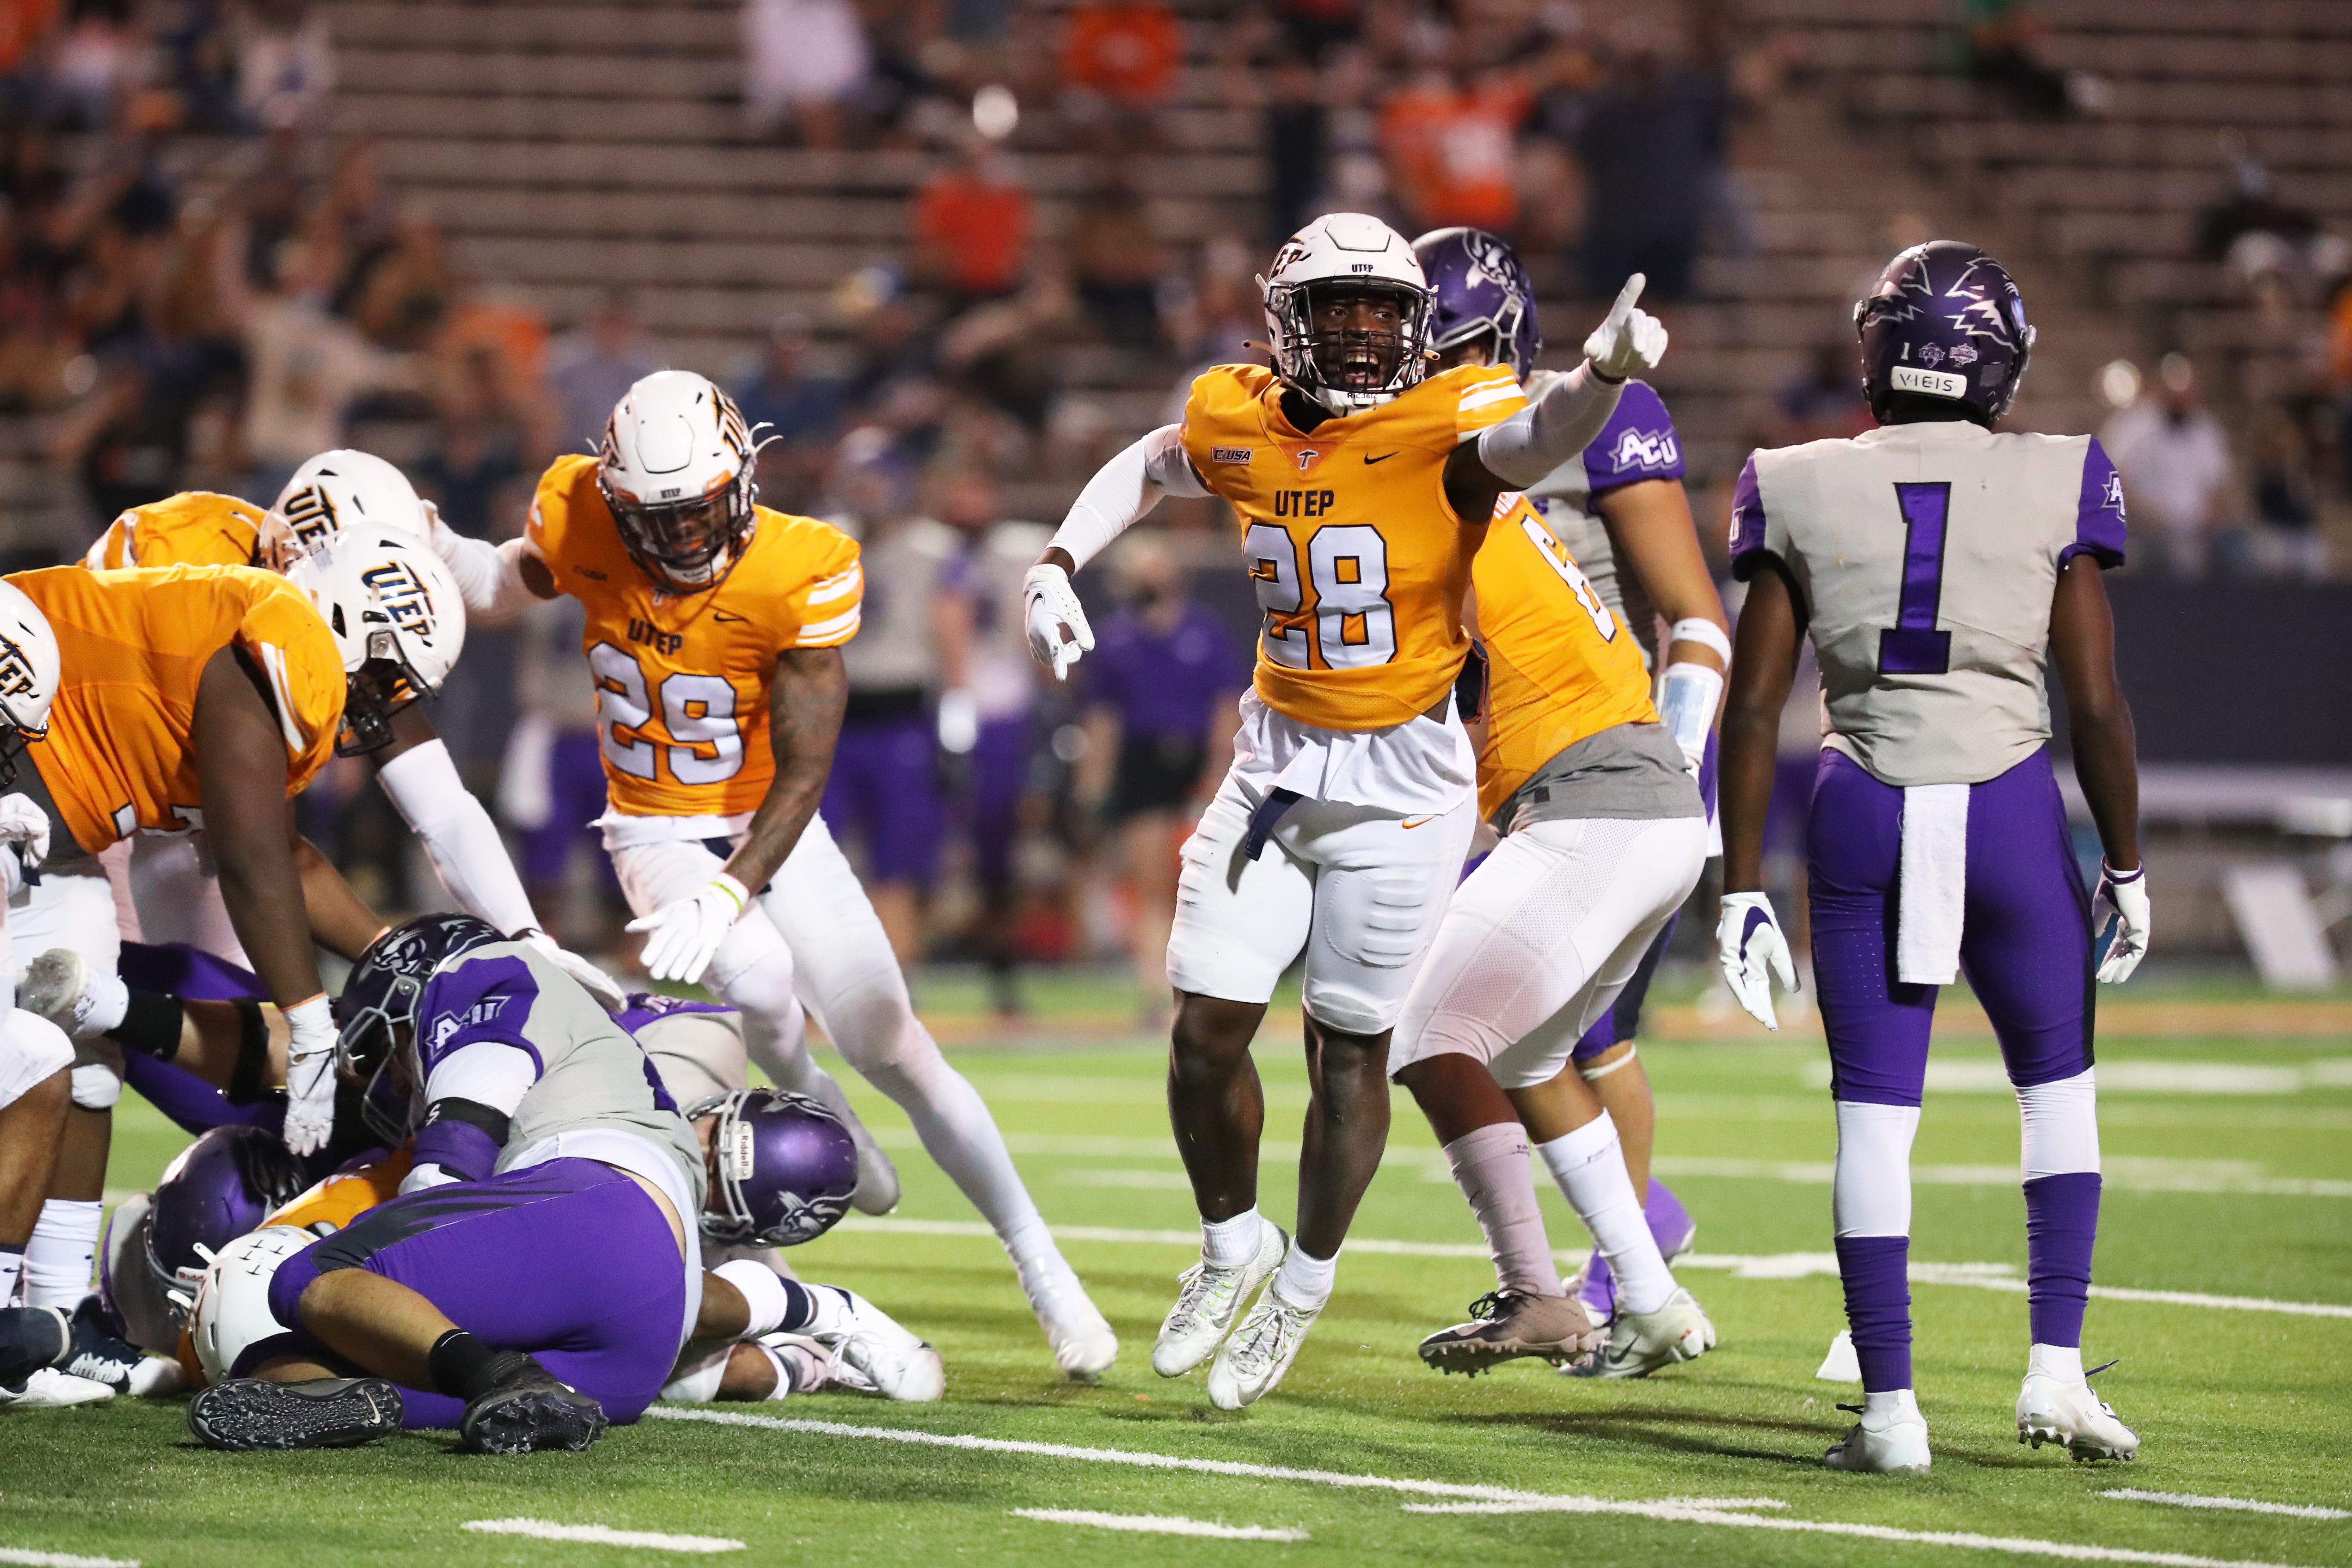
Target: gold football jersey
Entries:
(1357, 556)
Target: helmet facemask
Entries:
(384, 682)
(1349, 344)
(376, 1048)
(687, 546)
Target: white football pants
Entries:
(1539, 941)
(1360, 887)
(811, 938)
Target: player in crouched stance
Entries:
(1366, 485)
(535, 1279)
(1939, 568)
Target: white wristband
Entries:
(1704, 632)
(763, 1292)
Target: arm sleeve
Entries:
(458, 834)
(1524, 448)
(489, 576)
(2098, 511)
(1125, 489)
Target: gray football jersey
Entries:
(592, 1074)
(1638, 442)
(1926, 556)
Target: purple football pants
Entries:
(569, 1260)
(2025, 949)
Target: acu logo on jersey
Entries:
(2111, 496)
(1641, 449)
(448, 1025)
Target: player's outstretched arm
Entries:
(341, 920)
(1749, 945)
(1120, 495)
(1526, 448)
(804, 708)
(241, 772)
(2107, 754)
(497, 581)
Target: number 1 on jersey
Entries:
(1913, 646)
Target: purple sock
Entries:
(2061, 1224)
(1671, 1227)
(1876, 1273)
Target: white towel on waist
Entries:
(1933, 899)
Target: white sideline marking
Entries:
(1472, 1499)
(62, 1558)
(597, 1534)
(1762, 1265)
(1158, 1524)
(2243, 1505)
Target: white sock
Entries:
(12, 1263)
(958, 1131)
(764, 1295)
(1230, 1243)
(105, 1003)
(63, 1251)
(1306, 1281)
(1590, 1167)
(2063, 1362)
(1880, 1410)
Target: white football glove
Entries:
(26, 826)
(686, 933)
(2126, 926)
(1629, 342)
(310, 1076)
(594, 980)
(1748, 944)
(1052, 608)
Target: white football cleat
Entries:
(2050, 1410)
(1640, 1342)
(1083, 1341)
(57, 986)
(1253, 1359)
(1897, 1444)
(46, 1388)
(871, 1344)
(1209, 1303)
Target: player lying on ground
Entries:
(207, 697)
(1366, 485)
(175, 895)
(1938, 568)
(1619, 501)
(1619, 507)
(714, 632)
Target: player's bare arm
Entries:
(341, 920)
(804, 708)
(2098, 718)
(1650, 528)
(1764, 668)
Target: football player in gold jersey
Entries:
(714, 632)
(1365, 484)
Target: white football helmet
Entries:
(1363, 364)
(333, 492)
(677, 470)
(232, 1315)
(397, 619)
(30, 665)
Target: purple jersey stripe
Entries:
(480, 999)
(2099, 515)
(1746, 523)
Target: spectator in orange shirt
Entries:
(1449, 142)
(1126, 50)
(971, 228)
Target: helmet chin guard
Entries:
(1346, 369)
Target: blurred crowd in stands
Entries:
(200, 287)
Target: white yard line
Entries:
(1157, 1524)
(1763, 1266)
(598, 1535)
(1464, 1497)
(18, 1554)
(2238, 1504)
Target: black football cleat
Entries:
(530, 1410)
(247, 1414)
(95, 1349)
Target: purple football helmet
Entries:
(213, 1191)
(1947, 321)
(783, 1168)
(1480, 288)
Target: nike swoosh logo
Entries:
(723, 615)
(1413, 822)
(1369, 459)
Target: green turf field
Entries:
(2230, 1173)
